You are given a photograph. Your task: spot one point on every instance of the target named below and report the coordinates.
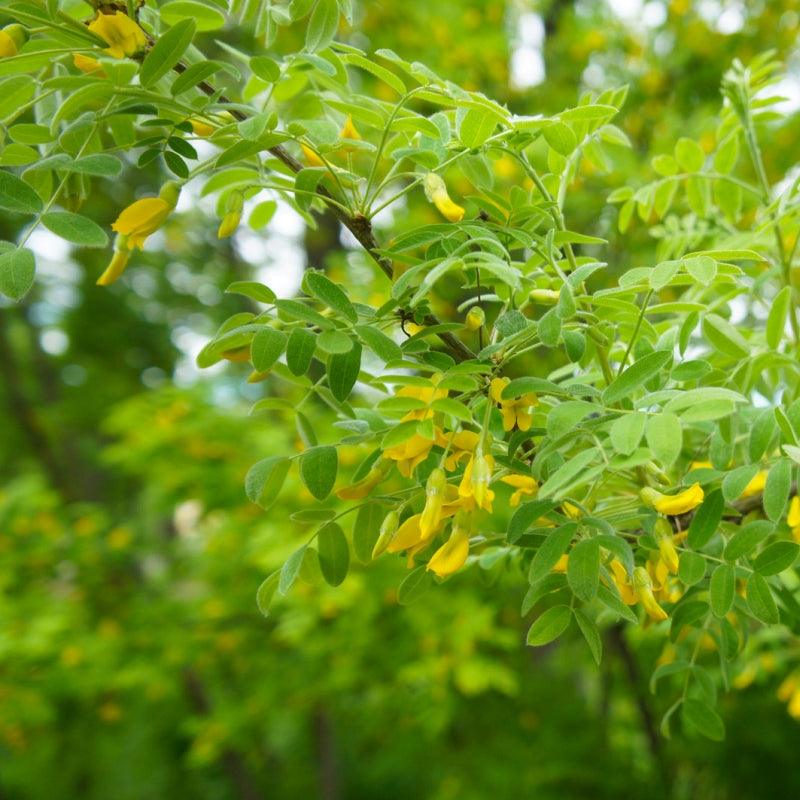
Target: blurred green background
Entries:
(133, 661)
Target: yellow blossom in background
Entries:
(8, 47)
(666, 546)
(793, 517)
(201, 127)
(425, 394)
(349, 131)
(118, 30)
(756, 485)
(475, 319)
(312, 159)
(672, 505)
(789, 692)
(12, 37)
(524, 484)
(620, 577)
(361, 489)
(436, 192)
(515, 412)
(89, 65)
(561, 565)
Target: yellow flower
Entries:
(789, 692)
(562, 564)
(89, 65)
(233, 215)
(570, 510)
(436, 192)
(144, 217)
(116, 266)
(700, 465)
(672, 505)
(459, 445)
(311, 157)
(756, 485)
(474, 485)
(620, 577)
(410, 453)
(349, 131)
(643, 587)
(12, 37)
(121, 32)
(793, 517)
(425, 394)
(407, 535)
(431, 517)
(452, 555)
(515, 412)
(200, 127)
(524, 484)
(666, 546)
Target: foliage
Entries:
(497, 378)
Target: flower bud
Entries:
(475, 319)
(170, 192)
(547, 297)
(389, 526)
(643, 587)
(434, 498)
(436, 192)
(12, 37)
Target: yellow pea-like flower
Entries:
(643, 587)
(141, 219)
(756, 485)
(312, 158)
(233, 216)
(89, 65)
(620, 577)
(119, 31)
(201, 127)
(475, 319)
(115, 268)
(452, 555)
(360, 490)
(562, 564)
(474, 486)
(675, 504)
(349, 130)
(516, 412)
(666, 545)
(407, 535)
(434, 498)
(793, 517)
(524, 485)
(409, 453)
(436, 192)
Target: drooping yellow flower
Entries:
(756, 485)
(349, 130)
(312, 158)
(459, 445)
(474, 485)
(643, 587)
(89, 65)
(452, 555)
(515, 412)
(789, 692)
(675, 504)
(434, 498)
(118, 30)
(12, 37)
(666, 546)
(570, 510)
(410, 453)
(524, 484)
(144, 217)
(233, 215)
(436, 192)
(407, 535)
(475, 319)
(624, 586)
(201, 127)
(117, 264)
(793, 517)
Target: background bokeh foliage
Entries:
(133, 661)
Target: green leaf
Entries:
(18, 196)
(265, 479)
(75, 228)
(735, 482)
(590, 633)
(266, 348)
(253, 290)
(760, 601)
(626, 432)
(727, 154)
(322, 26)
(665, 437)
(704, 719)
(550, 551)
(205, 16)
(524, 517)
(721, 589)
(662, 273)
(265, 68)
(776, 320)
(366, 530)
(691, 568)
(746, 539)
(689, 155)
(343, 369)
(635, 375)
(300, 350)
(549, 626)
(777, 488)
(414, 586)
(560, 137)
(167, 51)
(334, 554)
(762, 432)
(332, 295)
(102, 165)
(334, 342)
(267, 591)
(476, 127)
(318, 468)
(291, 568)
(385, 348)
(566, 473)
(775, 558)
(724, 337)
(17, 268)
(702, 268)
(583, 569)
